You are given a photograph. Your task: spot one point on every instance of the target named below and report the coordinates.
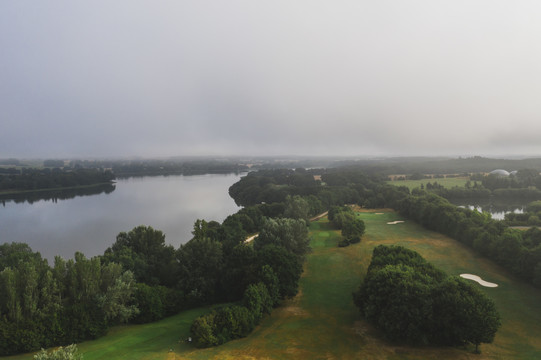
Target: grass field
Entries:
(445, 182)
(321, 322)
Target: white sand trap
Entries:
(479, 280)
(395, 222)
(379, 213)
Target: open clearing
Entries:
(445, 182)
(321, 322)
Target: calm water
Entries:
(496, 209)
(90, 223)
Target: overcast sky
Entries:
(163, 78)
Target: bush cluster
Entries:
(344, 218)
(412, 301)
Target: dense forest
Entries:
(29, 179)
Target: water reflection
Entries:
(55, 195)
(90, 223)
(496, 208)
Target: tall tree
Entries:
(286, 265)
(200, 266)
(289, 233)
(143, 251)
(297, 208)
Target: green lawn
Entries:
(445, 182)
(321, 322)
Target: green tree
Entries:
(200, 266)
(116, 295)
(352, 231)
(203, 329)
(240, 270)
(397, 299)
(148, 301)
(339, 216)
(527, 177)
(289, 233)
(268, 277)
(469, 315)
(286, 266)
(534, 206)
(297, 208)
(257, 300)
(143, 251)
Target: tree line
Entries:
(37, 179)
(73, 300)
(531, 216)
(519, 252)
(442, 165)
(57, 194)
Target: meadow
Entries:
(321, 322)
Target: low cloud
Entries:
(209, 77)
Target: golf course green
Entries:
(321, 322)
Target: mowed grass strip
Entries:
(518, 303)
(322, 322)
(147, 341)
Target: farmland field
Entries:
(321, 322)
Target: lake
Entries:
(89, 221)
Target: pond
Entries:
(497, 209)
(88, 221)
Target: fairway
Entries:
(321, 322)
(447, 183)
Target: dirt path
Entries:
(315, 218)
(250, 238)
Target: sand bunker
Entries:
(379, 213)
(395, 222)
(479, 280)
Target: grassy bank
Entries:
(321, 322)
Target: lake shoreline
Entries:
(18, 192)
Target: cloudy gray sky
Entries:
(159, 78)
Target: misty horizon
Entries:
(310, 78)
